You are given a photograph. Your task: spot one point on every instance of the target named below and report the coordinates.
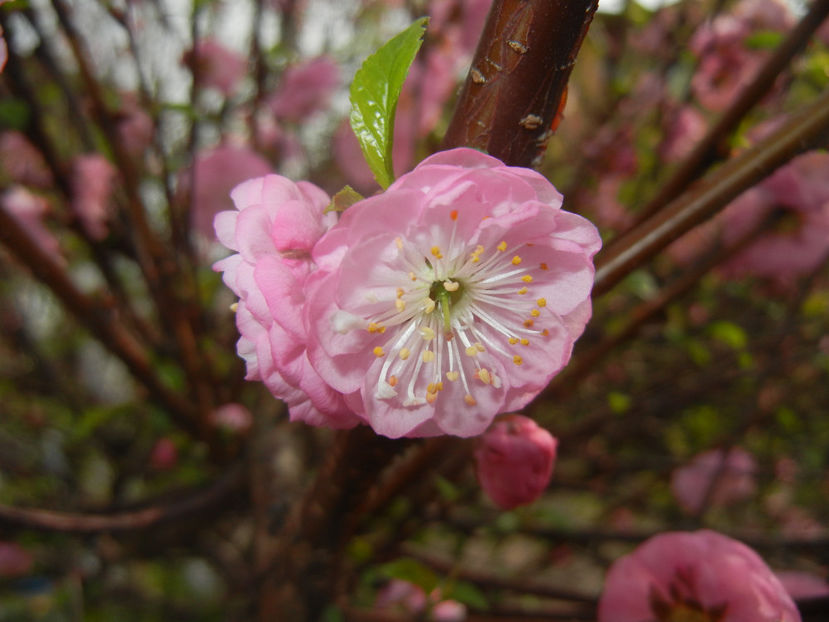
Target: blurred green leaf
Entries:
(446, 489)
(411, 570)
(374, 94)
(14, 113)
(729, 333)
(344, 199)
(467, 593)
(763, 40)
(619, 402)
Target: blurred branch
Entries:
(715, 145)
(803, 131)
(185, 505)
(518, 79)
(98, 319)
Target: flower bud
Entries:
(515, 461)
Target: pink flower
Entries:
(219, 67)
(135, 127)
(801, 584)
(218, 171)
(801, 240)
(404, 597)
(92, 178)
(232, 417)
(700, 575)
(15, 561)
(453, 296)
(514, 461)
(305, 89)
(22, 161)
(29, 209)
(714, 478)
(272, 230)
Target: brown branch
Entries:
(98, 319)
(183, 506)
(714, 146)
(518, 79)
(803, 131)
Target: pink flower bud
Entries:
(92, 186)
(702, 575)
(218, 67)
(305, 89)
(15, 561)
(164, 455)
(801, 584)
(233, 418)
(515, 461)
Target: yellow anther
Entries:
(432, 388)
(484, 376)
(475, 259)
(525, 342)
(527, 278)
(378, 351)
(451, 376)
(472, 351)
(480, 346)
(451, 286)
(523, 291)
(541, 302)
(513, 340)
(535, 313)
(516, 260)
(517, 360)
(429, 306)
(502, 246)
(545, 332)
(376, 328)
(470, 401)
(412, 276)
(404, 353)
(439, 386)
(436, 252)
(528, 323)
(543, 266)
(393, 381)
(234, 307)
(399, 304)
(400, 292)
(399, 243)
(431, 397)
(453, 214)
(428, 356)
(427, 333)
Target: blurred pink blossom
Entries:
(714, 478)
(22, 162)
(29, 209)
(458, 304)
(92, 178)
(232, 417)
(134, 125)
(218, 171)
(15, 561)
(514, 461)
(219, 67)
(687, 128)
(305, 88)
(801, 584)
(406, 598)
(272, 230)
(801, 240)
(164, 455)
(700, 575)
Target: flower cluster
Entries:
(453, 296)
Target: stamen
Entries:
(404, 353)
(399, 243)
(523, 291)
(378, 351)
(234, 307)
(470, 401)
(427, 333)
(429, 305)
(453, 214)
(528, 323)
(513, 340)
(393, 381)
(535, 313)
(451, 286)
(543, 266)
(399, 304)
(472, 351)
(484, 375)
(516, 260)
(502, 246)
(541, 302)
(527, 278)
(451, 376)
(428, 356)
(517, 360)
(400, 292)
(436, 252)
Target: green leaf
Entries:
(344, 199)
(411, 570)
(374, 95)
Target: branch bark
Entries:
(517, 84)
